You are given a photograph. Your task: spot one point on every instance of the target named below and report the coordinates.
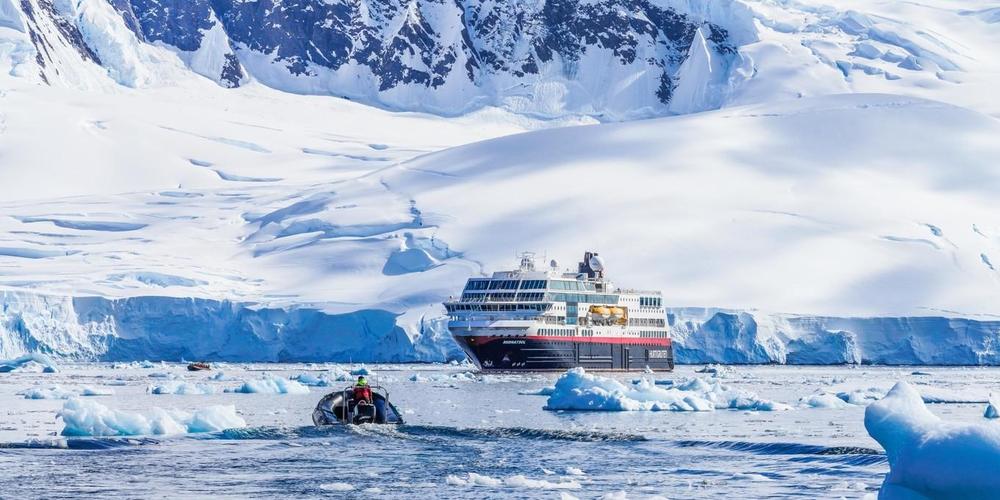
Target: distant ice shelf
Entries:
(168, 328)
(751, 337)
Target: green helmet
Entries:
(362, 380)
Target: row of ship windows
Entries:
(502, 296)
(652, 334)
(505, 284)
(554, 332)
(571, 285)
(650, 301)
(539, 296)
(646, 322)
(496, 307)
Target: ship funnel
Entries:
(592, 266)
(597, 263)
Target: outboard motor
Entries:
(364, 413)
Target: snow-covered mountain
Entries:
(167, 191)
(613, 59)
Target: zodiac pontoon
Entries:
(339, 407)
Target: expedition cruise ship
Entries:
(534, 320)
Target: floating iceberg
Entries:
(444, 377)
(929, 458)
(362, 371)
(97, 391)
(861, 396)
(48, 366)
(330, 378)
(219, 376)
(578, 390)
(544, 391)
(271, 386)
(825, 400)
(182, 389)
(89, 418)
(47, 392)
(311, 380)
(992, 410)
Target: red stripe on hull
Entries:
(662, 342)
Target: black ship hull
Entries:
(511, 353)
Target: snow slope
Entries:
(861, 205)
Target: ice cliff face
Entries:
(620, 58)
(164, 328)
(720, 336)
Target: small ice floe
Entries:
(362, 370)
(992, 409)
(501, 378)
(573, 471)
(518, 481)
(544, 391)
(861, 396)
(336, 377)
(578, 390)
(824, 400)
(273, 385)
(181, 389)
(219, 376)
(929, 458)
(715, 370)
(47, 392)
(97, 391)
(29, 361)
(89, 418)
(311, 380)
(165, 375)
(921, 373)
(444, 378)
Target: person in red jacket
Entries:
(362, 392)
